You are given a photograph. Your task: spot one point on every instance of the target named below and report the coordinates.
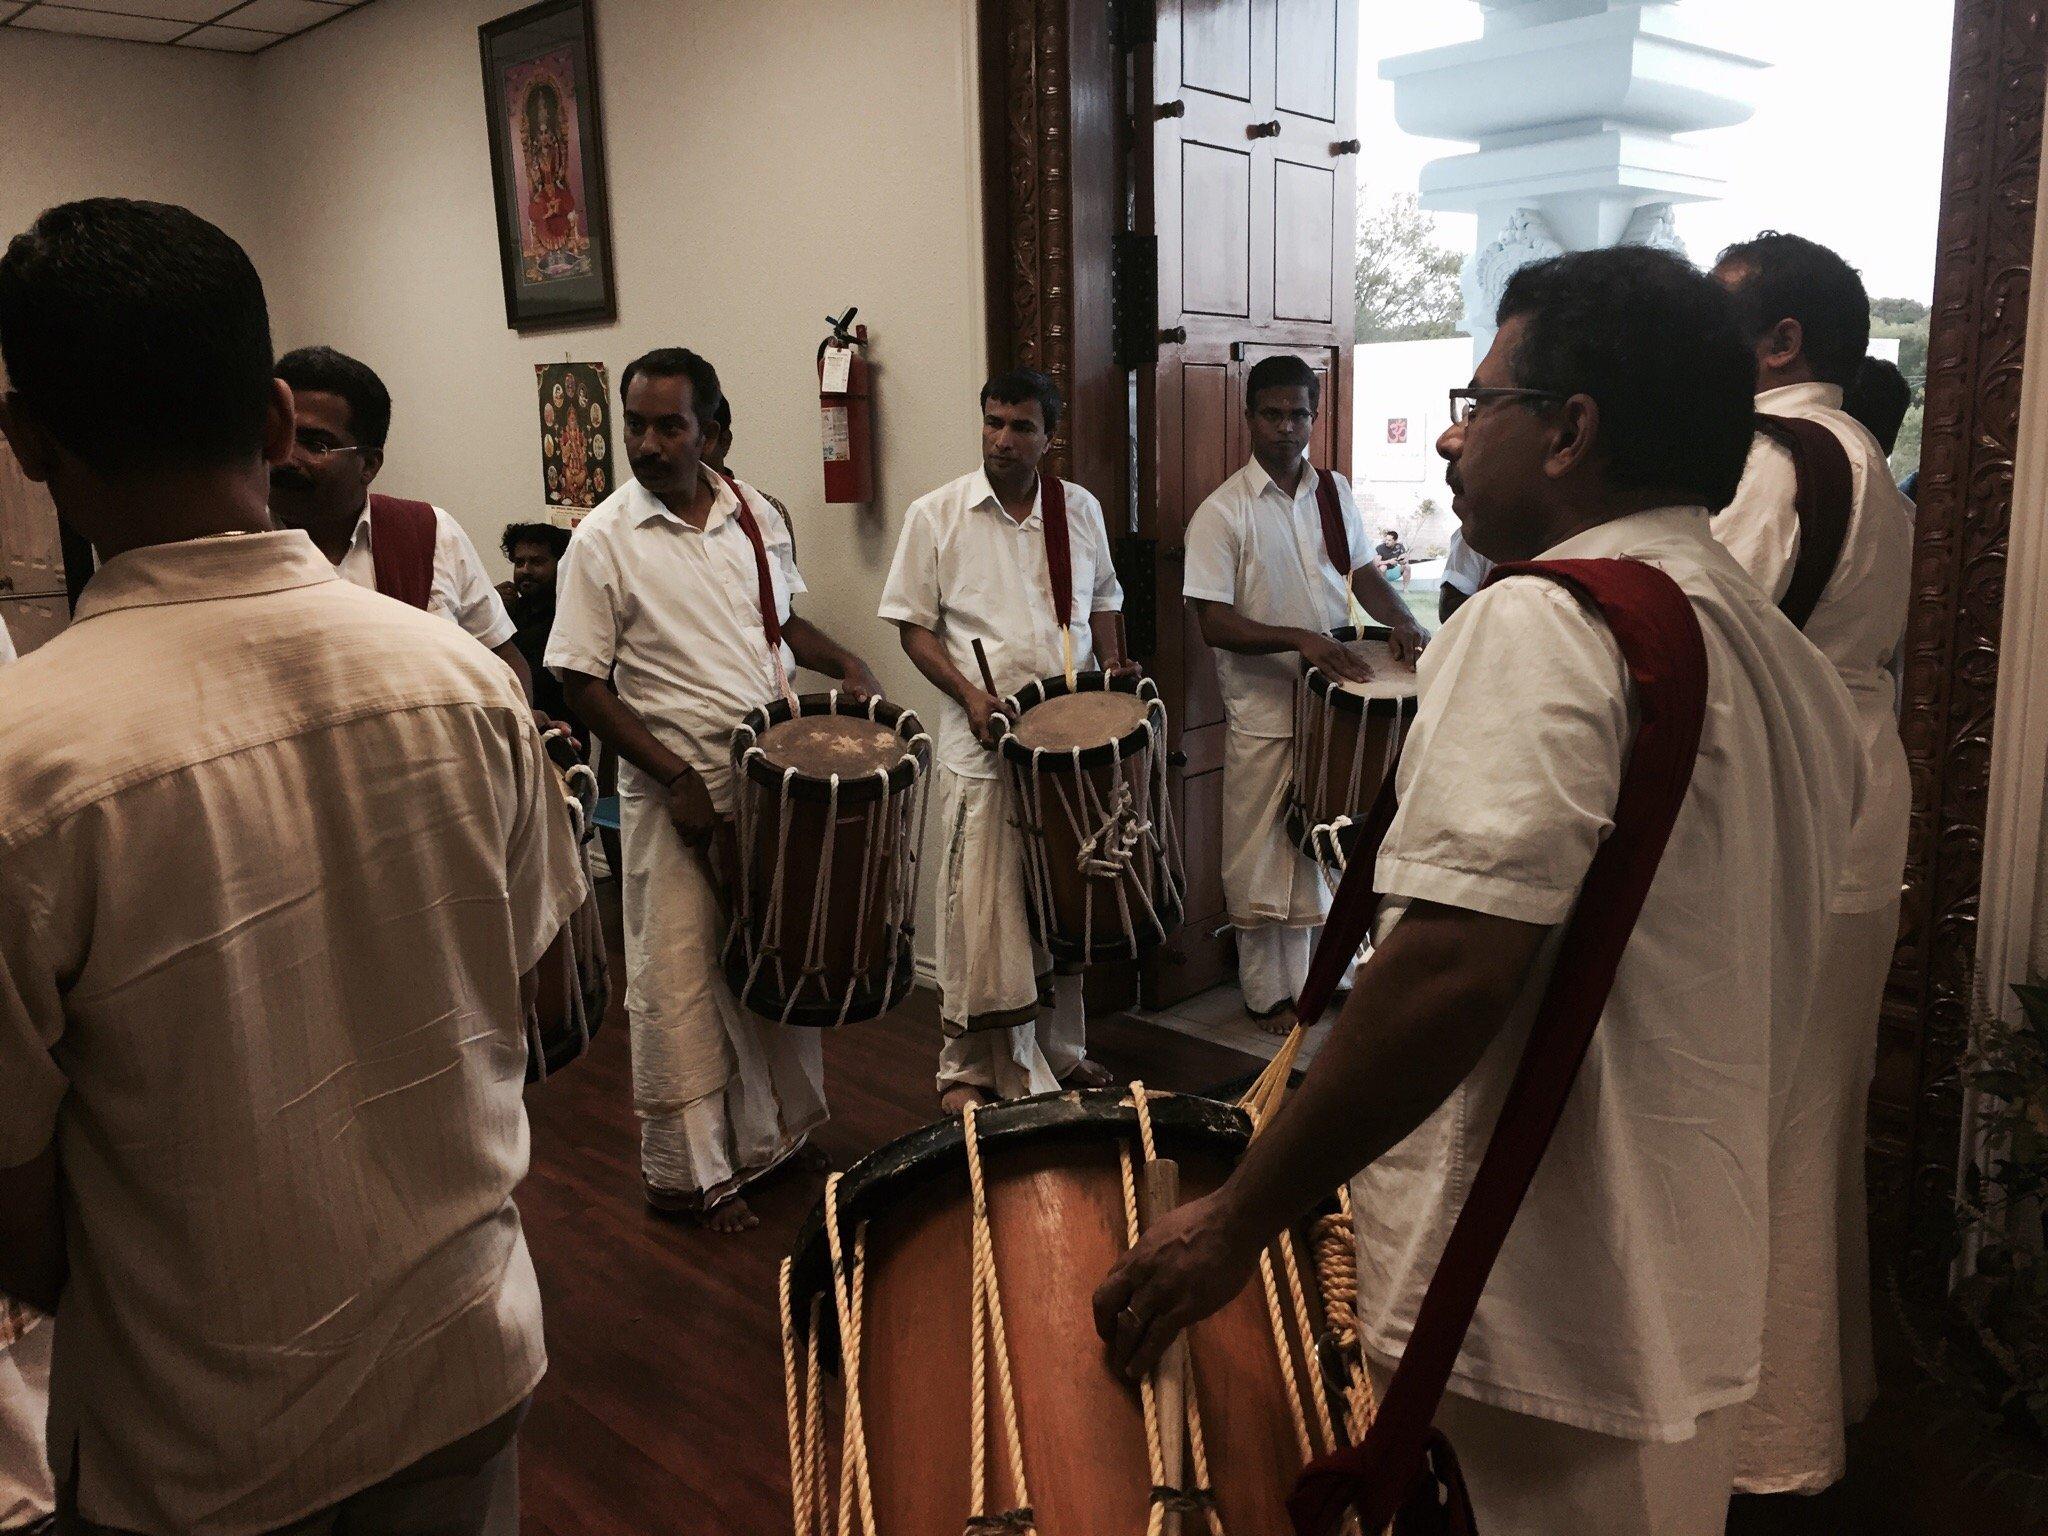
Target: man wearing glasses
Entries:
(1273, 559)
(404, 549)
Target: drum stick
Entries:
(1158, 1194)
(988, 678)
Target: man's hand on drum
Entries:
(691, 810)
(1124, 668)
(982, 708)
(1186, 1266)
(1405, 642)
(859, 682)
(1331, 659)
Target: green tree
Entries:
(1406, 282)
(1898, 311)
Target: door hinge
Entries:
(1134, 300)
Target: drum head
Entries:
(1082, 720)
(1391, 679)
(818, 746)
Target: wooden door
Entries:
(31, 550)
(1251, 192)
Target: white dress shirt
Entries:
(966, 570)
(673, 617)
(1629, 1297)
(1464, 567)
(1861, 616)
(267, 888)
(462, 592)
(1252, 546)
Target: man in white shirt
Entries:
(1465, 572)
(663, 647)
(279, 861)
(1598, 1386)
(344, 417)
(1262, 573)
(971, 566)
(1807, 313)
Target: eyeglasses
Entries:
(320, 448)
(1465, 401)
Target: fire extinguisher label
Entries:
(838, 370)
(837, 441)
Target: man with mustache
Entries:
(405, 549)
(1274, 557)
(971, 565)
(1600, 1384)
(672, 622)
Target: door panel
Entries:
(1304, 209)
(1216, 230)
(31, 551)
(1305, 59)
(1216, 47)
(32, 621)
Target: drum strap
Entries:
(1059, 549)
(771, 622)
(1823, 500)
(1404, 1465)
(402, 534)
(1336, 542)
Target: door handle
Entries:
(1176, 336)
(1270, 130)
(1176, 759)
(1346, 147)
(1175, 108)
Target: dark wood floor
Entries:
(662, 1408)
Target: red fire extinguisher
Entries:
(847, 411)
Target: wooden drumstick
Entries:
(988, 678)
(1158, 1193)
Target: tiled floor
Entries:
(1218, 1017)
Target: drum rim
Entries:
(746, 739)
(1101, 756)
(1331, 694)
(897, 1167)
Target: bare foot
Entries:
(729, 1216)
(1090, 1074)
(1281, 1023)
(956, 1099)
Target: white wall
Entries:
(90, 118)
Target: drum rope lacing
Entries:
(1313, 739)
(988, 1332)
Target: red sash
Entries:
(1823, 498)
(402, 548)
(1404, 1467)
(1336, 543)
(771, 622)
(1059, 551)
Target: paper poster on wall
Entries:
(577, 468)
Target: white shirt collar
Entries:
(1624, 534)
(1262, 482)
(1775, 401)
(645, 506)
(980, 494)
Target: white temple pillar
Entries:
(1574, 106)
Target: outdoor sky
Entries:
(1845, 146)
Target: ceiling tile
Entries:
(133, 29)
(280, 15)
(187, 11)
(228, 39)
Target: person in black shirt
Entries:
(535, 549)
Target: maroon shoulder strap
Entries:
(771, 621)
(1823, 500)
(1336, 542)
(1659, 636)
(1059, 549)
(402, 548)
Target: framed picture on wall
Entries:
(547, 165)
(576, 461)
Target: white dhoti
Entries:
(1273, 892)
(1536, 1477)
(722, 1096)
(990, 970)
(1818, 1374)
(26, 1490)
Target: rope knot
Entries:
(1184, 1501)
(1109, 850)
(1011, 1522)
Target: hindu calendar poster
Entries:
(577, 465)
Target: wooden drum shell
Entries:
(1057, 1222)
(1345, 748)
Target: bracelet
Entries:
(676, 778)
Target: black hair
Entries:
(136, 334)
(556, 539)
(1014, 386)
(1657, 346)
(723, 415)
(1786, 277)
(679, 363)
(325, 371)
(1282, 371)
(1879, 397)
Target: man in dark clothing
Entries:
(535, 549)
